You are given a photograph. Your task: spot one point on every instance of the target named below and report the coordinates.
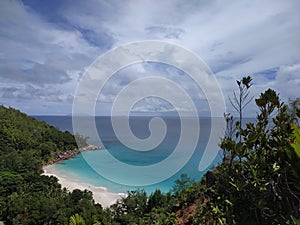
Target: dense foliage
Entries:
(258, 181)
(26, 197)
(21, 133)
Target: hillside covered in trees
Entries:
(26, 197)
(258, 181)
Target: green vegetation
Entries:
(26, 197)
(20, 133)
(256, 183)
(76, 220)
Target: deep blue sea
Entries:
(79, 167)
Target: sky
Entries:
(46, 47)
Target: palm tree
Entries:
(76, 220)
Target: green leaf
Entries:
(76, 220)
(228, 202)
(296, 144)
(276, 167)
(234, 185)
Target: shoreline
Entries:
(101, 195)
(67, 154)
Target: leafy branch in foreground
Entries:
(262, 187)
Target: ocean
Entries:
(87, 166)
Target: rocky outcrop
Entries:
(64, 155)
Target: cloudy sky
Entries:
(46, 46)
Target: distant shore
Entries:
(100, 194)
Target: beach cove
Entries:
(80, 169)
(101, 195)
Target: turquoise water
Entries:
(79, 168)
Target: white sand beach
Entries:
(100, 194)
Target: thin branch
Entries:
(292, 193)
(248, 102)
(235, 98)
(233, 105)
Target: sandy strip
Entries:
(100, 194)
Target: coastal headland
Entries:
(67, 154)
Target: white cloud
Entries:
(235, 38)
(287, 81)
(36, 51)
